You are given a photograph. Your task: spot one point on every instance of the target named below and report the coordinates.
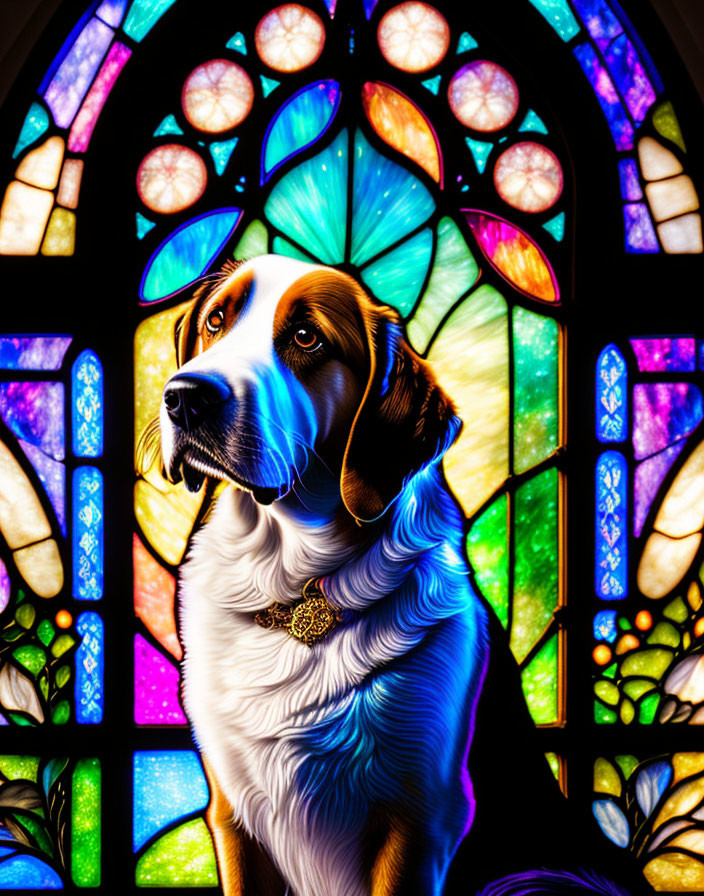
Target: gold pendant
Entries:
(309, 620)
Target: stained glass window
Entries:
(518, 188)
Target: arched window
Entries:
(520, 185)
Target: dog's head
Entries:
(279, 359)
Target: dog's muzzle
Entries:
(194, 399)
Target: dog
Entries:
(334, 645)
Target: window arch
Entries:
(467, 170)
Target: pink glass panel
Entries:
(664, 354)
(156, 687)
(87, 118)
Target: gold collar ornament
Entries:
(310, 619)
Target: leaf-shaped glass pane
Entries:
(651, 783)
(612, 821)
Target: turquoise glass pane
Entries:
(88, 533)
(480, 150)
(536, 388)
(309, 204)
(237, 43)
(466, 42)
(143, 15)
(397, 278)
(556, 227)
(167, 785)
(388, 203)
(268, 85)
(144, 225)
(87, 405)
(187, 253)
(221, 150)
(433, 84)
(168, 126)
(299, 122)
(533, 122)
(611, 562)
(90, 669)
(611, 396)
(280, 246)
(35, 124)
(559, 15)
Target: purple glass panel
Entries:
(33, 352)
(73, 77)
(640, 234)
(662, 414)
(602, 85)
(112, 11)
(627, 71)
(648, 477)
(87, 118)
(630, 185)
(156, 687)
(35, 412)
(5, 587)
(599, 21)
(52, 474)
(664, 354)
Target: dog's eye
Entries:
(307, 338)
(214, 320)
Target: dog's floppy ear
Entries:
(404, 421)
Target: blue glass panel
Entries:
(605, 626)
(23, 872)
(88, 535)
(35, 124)
(466, 42)
(143, 15)
(299, 123)
(309, 204)
(33, 352)
(480, 151)
(611, 526)
(144, 225)
(556, 227)
(237, 43)
(90, 669)
(388, 202)
(268, 85)
(628, 176)
(73, 77)
(662, 414)
(629, 76)
(112, 11)
(35, 413)
(52, 475)
(187, 253)
(620, 125)
(559, 15)
(599, 21)
(533, 122)
(369, 7)
(640, 233)
(168, 126)
(221, 150)
(167, 785)
(611, 396)
(433, 84)
(412, 258)
(87, 410)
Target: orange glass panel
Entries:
(154, 593)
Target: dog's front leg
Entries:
(244, 869)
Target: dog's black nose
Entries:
(191, 399)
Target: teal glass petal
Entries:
(309, 204)
(556, 227)
(533, 122)
(144, 225)
(388, 202)
(187, 253)
(466, 42)
(143, 15)
(268, 84)
(559, 15)
(480, 150)
(397, 277)
(221, 150)
(168, 126)
(299, 123)
(282, 246)
(237, 43)
(35, 124)
(433, 84)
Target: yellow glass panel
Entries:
(674, 196)
(22, 519)
(42, 166)
(400, 124)
(70, 183)
(41, 568)
(682, 236)
(606, 778)
(684, 765)
(682, 511)
(657, 162)
(470, 359)
(60, 237)
(25, 211)
(675, 872)
(166, 517)
(664, 562)
(683, 800)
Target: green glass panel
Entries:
(144, 225)
(309, 204)
(221, 150)
(536, 566)
(559, 15)
(283, 247)
(182, 857)
(46, 632)
(652, 662)
(556, 227)
(664, 634)
(611, 671)
(466, 42)
(35, 124)
(61, 713)
(237, 43)
(388, 203)
(603, 715)
(539, 680)
(63, 676)
(487, 549)
(433, 84)
(14, 767)
(533, 122)
(254, 241)
(62, 644)
(454, 272)
(554, 763)
(607, 691)
(25, 615)
(168, 126)
(37, 830)
(627, 712)
(606, 778)
(627, 763)
(648, 709)
(268, 85)
(481, 150)
(143, 15)
(85, 823)
(676, 610)
(32, 658)
(666, 124)
(624, 624)
(412, 258)
(536, 388)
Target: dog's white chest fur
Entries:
(249, 691)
